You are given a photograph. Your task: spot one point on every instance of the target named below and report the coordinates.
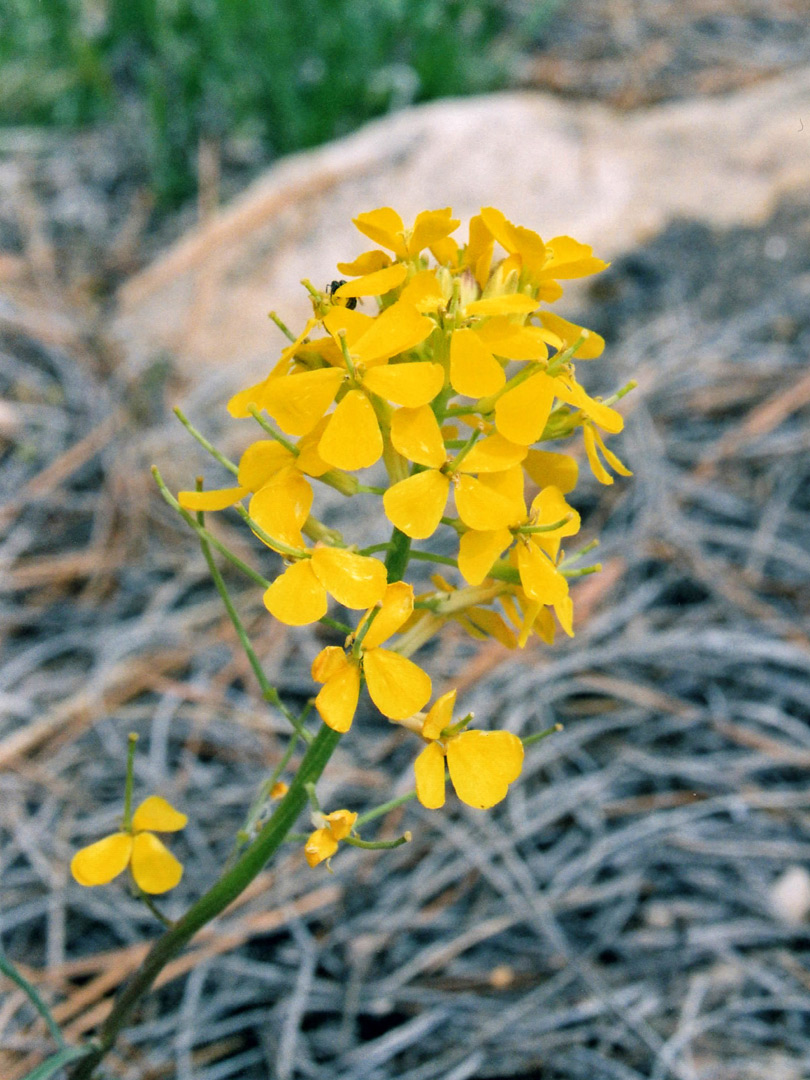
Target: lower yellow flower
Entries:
(482, 764)
(323, 843)
(153, 866)
(396, 685)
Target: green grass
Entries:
(285, 74)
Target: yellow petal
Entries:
(572, 393)
(474, 371)
(440, 715)
(155, 813)
(499, 227)
(446, 252)
(340, 823)
(569, 333)
(484, 508)
(337, 699)
(493, 454)
(416, 435)
(383, 226)
(411, 384)
(416, 505)
(328, 662)
(564, 610)
(610, 457)
(477, 551)
(374, 284)
(309, 461)
(522, 413)
(154, 867)
(396, 609)
(396, 329)
(396, 685)
(356, 581)
(211, 500)
(297, 402)
(282, 506)
(540, 578)
(429, 770)
(483, 764)
(344, 322)
(261, 461)
(251, 395)
(597, 468)
(502, 337)
(430, 227)
(352, 439)
(550, 506)
(491, 625)
(297, 597)
(508, 304)
(543, 624)
(321, 845)
(424, 292)
(546, 468)
(99, 863)
(571, 259)
(366, 263)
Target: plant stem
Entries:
(396, 559)
(269, 692)
(31, 992)
(218, 897)
(132, 741)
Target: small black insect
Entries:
(333, 288)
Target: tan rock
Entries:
(560, 167)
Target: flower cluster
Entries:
(437, 362)
(456, 381)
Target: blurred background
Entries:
(637, 909)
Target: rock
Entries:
(608, 178)
(790, 895)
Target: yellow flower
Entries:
(153, 866)
(479, 549)
(323, 843)
(260, 464)
(492, 499)
(386, 227)
(543, 264)
(351, 438)
(299, 595)
(482, 764)
(396, 685)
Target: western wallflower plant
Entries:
(433, 386)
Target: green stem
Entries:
(269, 692)
(384, 808)
(31, 992)
(204, 534)
(396, 560)
(530, 740)
(214, 902)
(271, 431)
(378, 845)
(428, 556)
(231, 466)
(132, 741)
(288, 334)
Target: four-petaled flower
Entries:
(396, 685)
(153, 866)
(482, 764)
